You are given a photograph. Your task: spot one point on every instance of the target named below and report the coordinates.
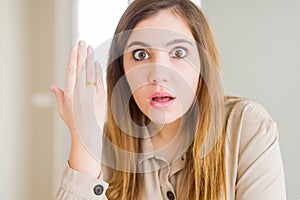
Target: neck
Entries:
(166, 134)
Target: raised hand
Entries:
(82, 107)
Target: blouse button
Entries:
(170, 195)
(98, 190)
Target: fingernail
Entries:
(89, 50)
(74, 49)
(81, 43)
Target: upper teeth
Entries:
(164, 98)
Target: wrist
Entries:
(81, 160)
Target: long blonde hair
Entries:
(205, 169)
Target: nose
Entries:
(158, 75)
(160, 69)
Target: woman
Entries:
(170, 133)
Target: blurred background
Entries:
(259, 48)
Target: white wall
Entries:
(259, 47)
(14, 141)
(26, 114)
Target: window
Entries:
(97, 19)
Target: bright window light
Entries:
(97, 19)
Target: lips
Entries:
(161, 99)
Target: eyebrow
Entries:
(143, 44)
(138, 43)
(176, 41)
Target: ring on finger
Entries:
(91, 83)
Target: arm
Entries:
(260, 170)
(78, 186)
(76, 106)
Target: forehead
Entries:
(161, 27)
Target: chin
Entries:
(163, 117)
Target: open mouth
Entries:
(161, 99)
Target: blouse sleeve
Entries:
(260, 170)
(79, 186)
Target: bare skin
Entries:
(80, 159)
(82, 61)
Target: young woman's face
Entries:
(162, 67)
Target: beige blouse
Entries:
(253, 163)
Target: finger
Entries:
(90, 66)
(81, 63)
(81, 56)
(71, 71)
(59, 94)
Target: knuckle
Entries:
(90, 73)
(81, 63)
(70, 70)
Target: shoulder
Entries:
(253, 153)
(250, 131)
(249, 121)
(247, 116)
(236, 106)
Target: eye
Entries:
(179, 52)
(140, 54)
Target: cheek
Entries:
(193, 70)
(194, 83)
(127, 62)
(191, 77)
(141, 99)
(137, 77)
(139, 95)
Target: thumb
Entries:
(59, 95)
